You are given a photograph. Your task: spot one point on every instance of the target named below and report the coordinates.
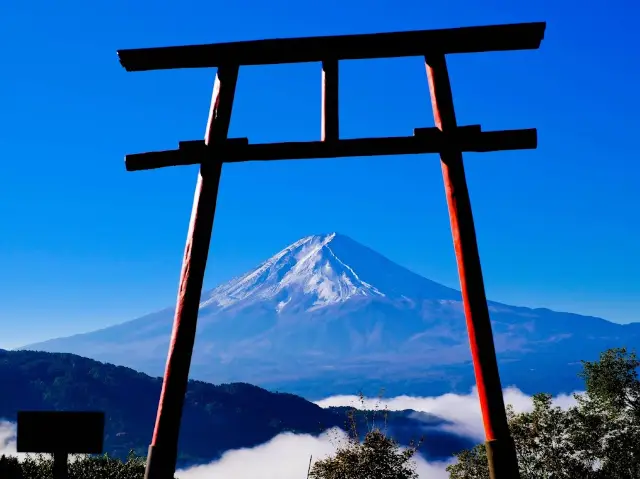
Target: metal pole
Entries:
(501, 453)
(163, 451)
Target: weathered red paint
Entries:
(471, 282)
(164, 443)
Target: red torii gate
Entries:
(446, 138)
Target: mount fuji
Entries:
(327, 315)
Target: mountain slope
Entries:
(319, 271)
(215, 418)
(331, 312)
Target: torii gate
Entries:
(446, 138)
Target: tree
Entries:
(10, 467)
(471, 464)
(546, 442)
(378, 456)
(598, 438)
(40, 466)
(609, 413)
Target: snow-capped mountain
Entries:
(310, 274)
(327, 313)
(307, 271)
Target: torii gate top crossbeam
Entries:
(521, 36)
(328, 50)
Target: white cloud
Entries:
(286, 456)
(461, 410)
(8, 439)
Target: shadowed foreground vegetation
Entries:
(376, 456)
(83, 467)
(598, 438)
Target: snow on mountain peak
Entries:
(321, 270)
(307, 270)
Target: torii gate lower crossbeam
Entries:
(447, 139)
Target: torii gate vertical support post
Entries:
(163, 451)
(501, 452)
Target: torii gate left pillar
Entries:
(447, 139)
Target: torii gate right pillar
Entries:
(501, 452)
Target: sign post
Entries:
(60, 433)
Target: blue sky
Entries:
(85, 244)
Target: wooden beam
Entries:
(182, 156)
(503, 462)
(426, 140)
(467, 131)
(330, 128)
(161, 459)
(521, 36)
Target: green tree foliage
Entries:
(599, 438)
(83, 467)
(471, 464)
(377, 456)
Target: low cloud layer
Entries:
(286, 456)
(461, 410)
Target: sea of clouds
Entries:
(287, 455)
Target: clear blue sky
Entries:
(84, 244)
